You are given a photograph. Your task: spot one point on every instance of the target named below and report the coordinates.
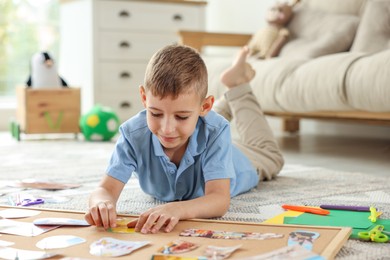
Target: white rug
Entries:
(72, 161)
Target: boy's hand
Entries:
(215, 203)
(161, 217)
(102, 214)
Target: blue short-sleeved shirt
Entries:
(209, 155)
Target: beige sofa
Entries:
(336, 65)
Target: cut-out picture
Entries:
(121, 226)
(177, 247)
(228, 234)
(303, 238)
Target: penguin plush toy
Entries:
(44, 72)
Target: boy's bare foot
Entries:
(240, 72)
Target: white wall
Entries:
(244, 16)
(7, 113)
(247, 16)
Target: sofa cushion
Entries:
(318, 84)
(373, 33)
(353, 7)
(270, 76)
(316, 33)
(367, 83)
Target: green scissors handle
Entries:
(374, 235)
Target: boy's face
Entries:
(174, 120)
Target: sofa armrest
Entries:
(199, 39)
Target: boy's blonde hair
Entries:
(176, 69)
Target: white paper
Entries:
(6, 243)
(18, 213)
(22, 228)
(61, 241)
(108, 246)
(10, 253)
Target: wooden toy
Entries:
(48, 110)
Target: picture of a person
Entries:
(303, 238)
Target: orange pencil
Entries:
(312, 210)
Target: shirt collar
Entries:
(157, 147)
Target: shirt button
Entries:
(171, 171)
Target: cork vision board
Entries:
(329, 242)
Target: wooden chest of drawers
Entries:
(106, 44)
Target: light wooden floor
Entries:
(352, 154)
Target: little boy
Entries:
(181, 150)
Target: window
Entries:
(26, 27)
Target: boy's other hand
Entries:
(102, 214)
(161, 217)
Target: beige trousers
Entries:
(256, 139)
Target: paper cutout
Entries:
(122, 226)
(10, 253)
(289, 252)
(22, 228)
(279, 219)
(62, 241)
(74, 258)
(219, 252)
(175, 257)
(18, 213)
(108, 246)
(60, 222)
(121, 230)
(303, 238)
(336, 218)
(228, 235)
(177, 247)
(6, 243)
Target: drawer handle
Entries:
(125, 74)
(178, 18)
(125, 104)
(124, 14)
(124, 44)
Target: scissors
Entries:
(29, 202)
(374, 235)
